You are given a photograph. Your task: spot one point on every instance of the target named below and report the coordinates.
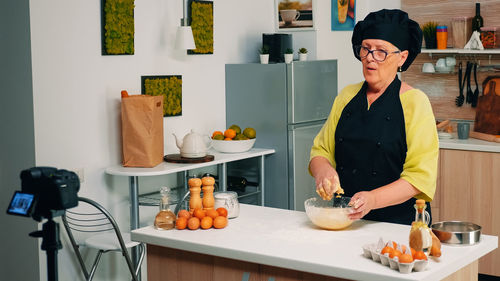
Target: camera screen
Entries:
(21, 204)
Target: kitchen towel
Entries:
(142, 130)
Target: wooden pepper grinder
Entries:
(194, 192)
(208, 192)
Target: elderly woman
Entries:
(380, 139)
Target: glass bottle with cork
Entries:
(420, 236)
(165, 219)
(477, 20)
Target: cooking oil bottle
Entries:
(165, 219)
(420, 236)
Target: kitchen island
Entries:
(263, 243)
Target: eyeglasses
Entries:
(378, 55)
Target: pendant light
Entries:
(184, 37)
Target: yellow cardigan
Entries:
(420, 167)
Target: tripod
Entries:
(50, 244)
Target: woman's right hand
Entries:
(327, 179)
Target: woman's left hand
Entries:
(362, 203)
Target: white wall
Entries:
(76, 91)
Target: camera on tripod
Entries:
(46, 192)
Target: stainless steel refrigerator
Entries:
(287, 104)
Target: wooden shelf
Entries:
(461, 51)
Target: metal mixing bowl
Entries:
(457, 232)
(329, 214)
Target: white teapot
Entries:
(193, 145)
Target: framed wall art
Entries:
(168, 86)
(202, 24)
(343, 15)
(294, 15)
(117, 27)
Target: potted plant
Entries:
(429, 31)
(302, 54)
(288, 55)
(264, 54)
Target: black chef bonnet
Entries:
(393, 26)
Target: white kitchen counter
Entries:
(287, 239)
(469, 144)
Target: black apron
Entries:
(370, 149)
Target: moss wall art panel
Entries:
(202, 23)
(117, 27)
(168, 86)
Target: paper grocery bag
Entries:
(142, 130)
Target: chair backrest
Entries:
(90, 219)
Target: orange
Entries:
(181, 223)
(228, 139)
(199, 213)
(217, 133)
(183, 214)
(230, 133)
(124, 94)
(387, 250)
(395, 253)
(420, 255)
(206, 222)
(222, 211)
(193, 223)
(405, 258)
(212, 213)
(220, 222)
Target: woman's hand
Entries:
(362, 203)
(327, 179)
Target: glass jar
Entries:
(228, 200)
(461, 29)
(489, 37)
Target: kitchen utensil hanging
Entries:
(475, 95)
(459, 101)
(468, 95)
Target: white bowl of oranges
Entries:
(233, 140)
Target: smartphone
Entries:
(22, 204)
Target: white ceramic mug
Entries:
(450, 61)
(441, 63)
(289, 16)
(428, 67)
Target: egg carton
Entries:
(372, 251)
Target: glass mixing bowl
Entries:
(329, 214)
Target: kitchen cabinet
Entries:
(468, 189)
(167, 264)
